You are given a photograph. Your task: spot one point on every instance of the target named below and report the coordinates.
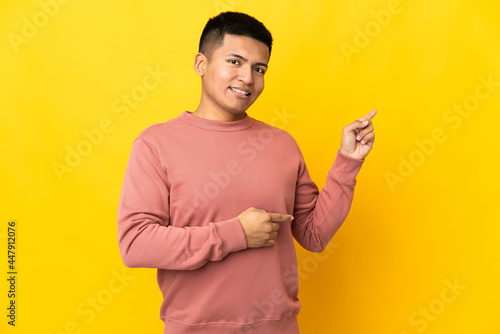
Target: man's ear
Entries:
(200, 63)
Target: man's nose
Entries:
(246, 74)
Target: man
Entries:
(214, 198)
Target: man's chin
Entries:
(238, 113)
(237, 110)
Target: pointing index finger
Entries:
(279, 217)
(368, 116)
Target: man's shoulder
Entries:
(156, 130)
(272, 130)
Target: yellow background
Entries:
(410, 231)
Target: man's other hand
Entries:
(261, 227)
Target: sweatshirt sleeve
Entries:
(318, 216)
(145, 238)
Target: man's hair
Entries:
(233, 23)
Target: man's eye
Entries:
(233, 61)
(258, 69)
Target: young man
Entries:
(214, 198)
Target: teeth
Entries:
(239, 91)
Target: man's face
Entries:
(234, 76)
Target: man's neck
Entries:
(218, 115)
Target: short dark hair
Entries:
(233, 23)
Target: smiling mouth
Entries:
(239, 91)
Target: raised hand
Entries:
(358, 137)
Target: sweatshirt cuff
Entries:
(345, 168)
(231, 235)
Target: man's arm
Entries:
(318, 216)
(145, 238)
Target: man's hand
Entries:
(358, 137)
(261, 227)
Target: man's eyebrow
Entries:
(231, 54)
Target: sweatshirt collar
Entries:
(210, 124)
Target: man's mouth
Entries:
(239, 91)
